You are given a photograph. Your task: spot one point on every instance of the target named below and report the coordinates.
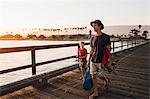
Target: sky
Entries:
(69, 13)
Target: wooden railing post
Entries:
(127, 43)
(34, 48)
(132, 42)
(113, 46)
(121, 44)
(33, 62)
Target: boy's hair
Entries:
(82, 42)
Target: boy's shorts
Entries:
(82, 65)
(95, 68)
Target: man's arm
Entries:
(90, 55)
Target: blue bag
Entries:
(87, 82)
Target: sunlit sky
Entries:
(69, 13)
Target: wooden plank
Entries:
(121, 84)
(34, 80)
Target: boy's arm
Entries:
(83, 56)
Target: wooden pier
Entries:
(130, 80)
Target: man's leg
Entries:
(102, 77)
(93, 71)
(105, 80)
(82, 66)
(95, 89)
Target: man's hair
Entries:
(99, 23)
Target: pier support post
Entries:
(40, 83)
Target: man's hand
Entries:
(108, 63)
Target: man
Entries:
(98, 43)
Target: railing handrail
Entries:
(29, 48)
(37, 64)
(34, 48)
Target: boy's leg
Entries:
(80, 65)
(82, 70)
(83, 73)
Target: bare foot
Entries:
(93, 96)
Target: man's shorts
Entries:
(95, 68)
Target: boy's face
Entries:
(81, 45)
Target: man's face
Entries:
(95, 26)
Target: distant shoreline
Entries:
(79, 37)
(50, 38)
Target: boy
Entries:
(82, 55)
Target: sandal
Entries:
(106, 84)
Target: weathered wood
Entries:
(130, 82)
(126, 77)
(29, 48)
(33, 62)
(46, 62)
(15, 69)
(32, 48)
(113, 46)
(37, 64)
(34, 80)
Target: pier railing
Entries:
(34, 48)
(35, 78)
